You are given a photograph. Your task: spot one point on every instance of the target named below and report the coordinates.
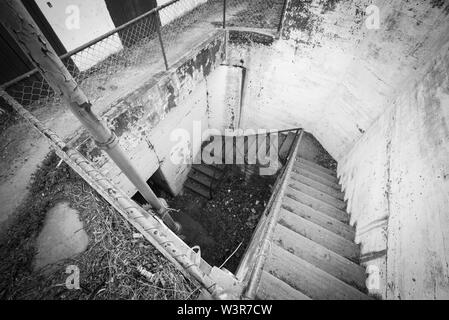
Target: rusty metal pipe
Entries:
(26, 33)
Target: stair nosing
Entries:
(344, 214)
(294, 174)
(344, 240)
(349, 261)
(348, 229)
(326, 176)
(316, 166)
(317, 178)
(272, 275)
(340, 202)
(311, 267)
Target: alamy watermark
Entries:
(227, 148)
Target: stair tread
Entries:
(320, 235)
(317, 204)
(321, 257)
(208, 170)
(303, 171)
(198, 188)
(317, 194)
(302, 166)
(200, 177)
(308, 279)
(272, 288)
(318, 185)
(342, 229)
(317, 166)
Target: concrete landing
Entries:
(62, 236)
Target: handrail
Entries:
(262, 253)
(263, 229)
(92, 42)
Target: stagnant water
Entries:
(227, 221)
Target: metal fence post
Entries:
(224, 14)
(159, 34)
(284, 7)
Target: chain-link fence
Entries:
(146, 45)
(266, 14)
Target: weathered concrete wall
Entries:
(397, 184)
(365, 93)
(225, 86)
(144, 119)
(330, 74)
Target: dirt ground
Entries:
(230, 217)
(109, 266)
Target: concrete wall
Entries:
(374, 102)
(397, 184)
(330, 74)
(145, 119)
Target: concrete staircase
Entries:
(203, 179)
(311, 252)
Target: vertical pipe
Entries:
(224, 14)
(23, 29)
(159, 34)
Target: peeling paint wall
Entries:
(397, 182)
(375, 103)
(144, 119)
(330, 74)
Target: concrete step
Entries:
(303, 171)
(308, 279)
(317, 194)
(198, 188)
(318, 167)
(319, 218)
(286, 145)
(200, 177)
(271, 288)
(321, 257)
(317, 204)
(209, 170)
(319, 186)
(302, 166)
(320, 235)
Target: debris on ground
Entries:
(230, 218)
(109, 266)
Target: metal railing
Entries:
(101, 64)
(250, 266)
(147, 43)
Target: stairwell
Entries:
(203, 178)
(305, 248)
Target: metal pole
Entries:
(159, 34)
(224, 14)
(23, 29)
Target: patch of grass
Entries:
(109, 266)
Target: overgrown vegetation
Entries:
(109, 266)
